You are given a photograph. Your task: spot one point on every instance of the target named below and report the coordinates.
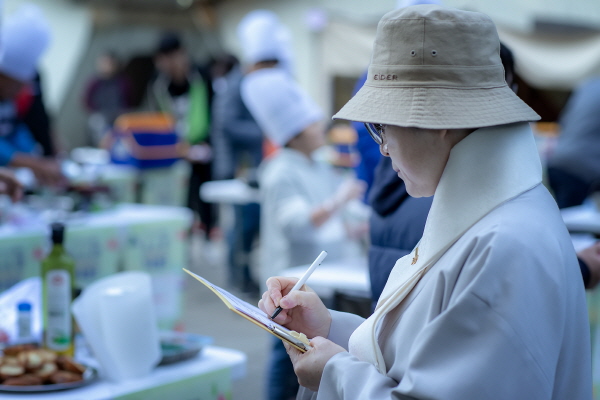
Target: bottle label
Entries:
(58, 300)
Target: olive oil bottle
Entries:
(58, 275)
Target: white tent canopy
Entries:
(552, 61)
(543, 60)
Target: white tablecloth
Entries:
(229, 191)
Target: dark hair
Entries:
(508, 60)
(168, 43)
(222, 65)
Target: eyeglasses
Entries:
(376, 132)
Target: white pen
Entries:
(304, 278)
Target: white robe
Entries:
(500, 314)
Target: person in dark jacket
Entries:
(398, 220)
(574, 166)
(396, 225)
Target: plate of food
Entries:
(28, 368)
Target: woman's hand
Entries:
(303, 311)
(309, 366)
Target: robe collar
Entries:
(487, 168)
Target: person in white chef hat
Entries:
(265, 41)
(302, 199)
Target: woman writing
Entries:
(490, 303)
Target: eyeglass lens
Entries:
(375, 130)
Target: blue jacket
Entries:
(366, 147)
(14, 136)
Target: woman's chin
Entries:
(417, 191)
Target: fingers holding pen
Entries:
(279, 286)
(270, 301)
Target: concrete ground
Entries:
(226, 328)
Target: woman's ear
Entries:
(383, 149)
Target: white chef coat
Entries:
(291, 186)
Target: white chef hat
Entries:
(263, 37)
(278, 104)
(408, 3)
(23, 38)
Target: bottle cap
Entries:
(24, 306)
(58, 232)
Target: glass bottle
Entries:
(58, 275)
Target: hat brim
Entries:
(437, 107)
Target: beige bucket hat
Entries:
(438, 68)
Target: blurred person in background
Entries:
(25, 36)
(238, 146)
(302, 198)
(184, 90)
(574, 165)
(265, 42)
(237, 138)
(107, 95)
(31, 110)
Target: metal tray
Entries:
(177, 346)
(89, 376)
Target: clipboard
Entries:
(256, 316)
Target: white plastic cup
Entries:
(117, 317)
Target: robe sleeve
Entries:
(471, 350)
(342, 326)
(460, 356)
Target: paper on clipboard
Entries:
(256, 316)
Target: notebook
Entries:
(256, 316)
